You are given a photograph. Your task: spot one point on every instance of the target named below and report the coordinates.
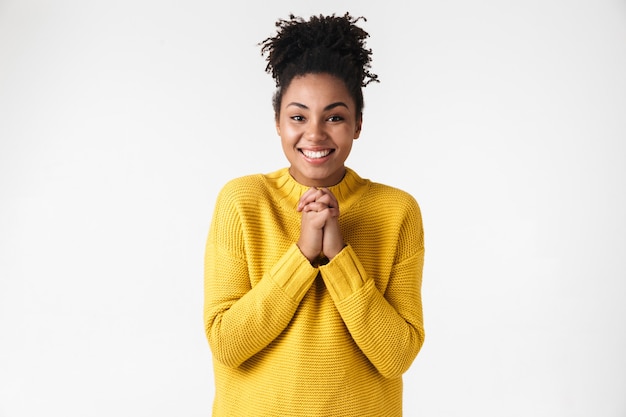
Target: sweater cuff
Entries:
(344, 274)
(293, 273)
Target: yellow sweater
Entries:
(292, 339)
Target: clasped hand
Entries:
(319, 230)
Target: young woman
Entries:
(312, 273)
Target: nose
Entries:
(315, 131)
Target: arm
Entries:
(388, 327)
(240, 319)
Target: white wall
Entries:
(120, 121)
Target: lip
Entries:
(315, 159)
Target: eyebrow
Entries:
(329, 107)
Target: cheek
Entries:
(286, 138)
(287, 132)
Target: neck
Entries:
(319, 183)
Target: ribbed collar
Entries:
(289, 191)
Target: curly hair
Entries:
(323, 44)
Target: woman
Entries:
(312, 273)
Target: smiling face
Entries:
(317, 124)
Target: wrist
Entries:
(332, 251)
(308, 253)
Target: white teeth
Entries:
(316, 154)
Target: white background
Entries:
(121, 120)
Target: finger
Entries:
(327, 200)
(314, 206)
(329, 197)
(309, 196)
(333, 211)
(320, 212)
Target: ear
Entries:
(359, 124)
(277, 124)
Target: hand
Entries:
(319, 230)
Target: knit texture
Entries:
(292, 339)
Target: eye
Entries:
(297, 118)
(335, 118)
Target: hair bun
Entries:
(302, 46)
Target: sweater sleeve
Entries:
(388, 328)
(241, 319)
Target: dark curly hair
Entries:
(323, 44)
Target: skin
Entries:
(317, 124)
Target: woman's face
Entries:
(317, 124)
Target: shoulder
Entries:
(402, 210)
(366, 194)
(248, 184)
(254, 190)
(241, 192)
(393, 197)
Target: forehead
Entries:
(317, 88)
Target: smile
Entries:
(316, 154)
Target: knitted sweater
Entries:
(292, 339)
